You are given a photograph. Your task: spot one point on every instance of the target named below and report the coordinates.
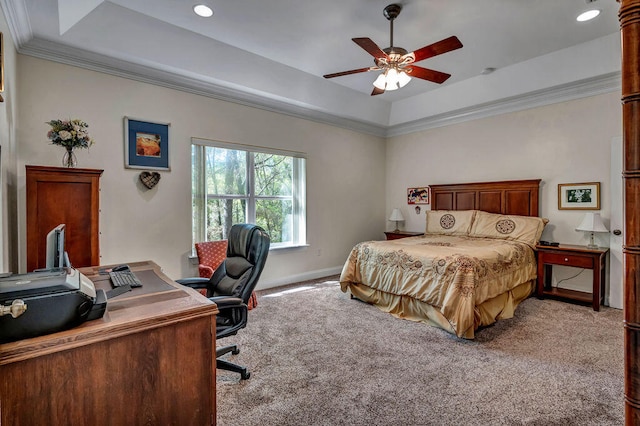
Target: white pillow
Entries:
(527, 229)
(449, 222)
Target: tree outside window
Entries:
(231, 184)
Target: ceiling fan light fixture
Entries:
(403, 79)
(391, 79)
(396, 63)
(203, 10)
(588, 15)
(381, 81)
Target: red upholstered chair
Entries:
(210, 255)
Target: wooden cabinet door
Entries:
(60, 195)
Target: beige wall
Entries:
(8, 212)
(561, 143)
(344, 168)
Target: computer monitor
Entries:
(56, 255)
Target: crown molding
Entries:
(176, 79)
(199, 85)
(18, 21)
(598, 85)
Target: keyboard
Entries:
(121, 278)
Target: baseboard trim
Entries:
(292, 279)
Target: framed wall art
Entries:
(418, 195)
(146, 144)
(579, 196)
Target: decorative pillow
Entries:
(526, 229)
(449, 222)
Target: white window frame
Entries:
(299, 231)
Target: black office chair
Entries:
(231, 285)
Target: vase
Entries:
(69, 159)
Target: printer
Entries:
(47, 301)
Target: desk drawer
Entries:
(568, 260)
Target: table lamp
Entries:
(592, 223)
(397, 217)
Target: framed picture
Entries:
(579, 196)
(418, 195)
(146, 144)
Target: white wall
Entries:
(8, 213)
(345, 170)
(568, 142)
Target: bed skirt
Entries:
(500, 307)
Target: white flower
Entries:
(69, 133)
(64, 135)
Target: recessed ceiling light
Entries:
(588, 15)
(203, 10)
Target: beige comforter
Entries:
(452, 274)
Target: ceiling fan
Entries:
(396, 63)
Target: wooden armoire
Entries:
(69, 196)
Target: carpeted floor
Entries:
(318, 357)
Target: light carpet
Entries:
(318, 357)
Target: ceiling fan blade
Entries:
(368, 45)
(377, 91)
(427, 74)
(339, 74)
(438, 48)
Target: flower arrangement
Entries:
(69, 134)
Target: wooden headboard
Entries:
(507, 197)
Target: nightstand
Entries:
(395, 235)
(576, 256)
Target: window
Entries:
(241, 184)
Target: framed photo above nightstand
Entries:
(418, 195)
(579, 196)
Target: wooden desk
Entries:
(576, 256)
(149, 361)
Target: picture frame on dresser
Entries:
(146, 144)
(579, 196)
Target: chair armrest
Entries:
(205, 271)
(232, 315)
(194, 282)
(227, 302)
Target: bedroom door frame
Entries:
(629, 16)
(614, 295)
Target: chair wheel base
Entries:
(223, 364)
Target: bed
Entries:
(473, 266)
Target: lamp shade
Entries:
(381, 82)
(396, 215)
(592, 222)
(391, 79)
